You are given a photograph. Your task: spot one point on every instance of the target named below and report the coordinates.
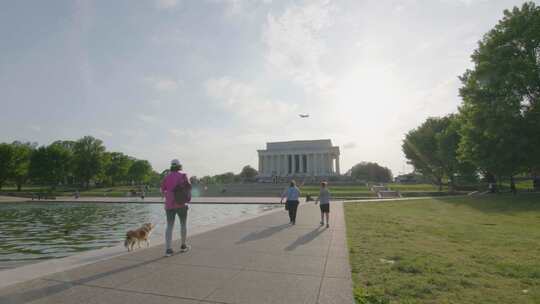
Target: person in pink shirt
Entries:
(174, 179)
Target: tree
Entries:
(21, 162)
(140, 171)
(225, 178)
(6, 162)
(421, 147)
(501, 96)
(50, 165)
(371, 172)
(117, 166)
(88, 158)
(248, 173)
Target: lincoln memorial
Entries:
(316, 158)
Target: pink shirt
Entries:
(167, 186)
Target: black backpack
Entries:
(182, 193)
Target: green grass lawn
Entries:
(448, 250)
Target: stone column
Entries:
(301, 159)
(327, 163)
(316, 163)
(337, 165)
(330, 164)
(309, 164)
(260, 164)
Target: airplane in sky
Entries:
(303, 115)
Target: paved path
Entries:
(261, 260)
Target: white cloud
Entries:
(349, 145)
(35, 128)
(294, 43)
(166, 4)
(103, 132)
(246, 101)
(163, 84)
(146, 118)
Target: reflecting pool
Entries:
(31, 232)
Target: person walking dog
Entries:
(324, 200)
(177, 190)
(292, 194)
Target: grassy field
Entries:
(449, 250)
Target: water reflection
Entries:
(30, 232)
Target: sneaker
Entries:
(327, 226)
(169, 252)
(322, 223)
(184, 248)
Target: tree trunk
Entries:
(19, 186)
(440, 184)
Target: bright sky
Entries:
(211, 81)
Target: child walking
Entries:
(324, 199)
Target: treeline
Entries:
(66, 162)
(248, 174)
(496, 132)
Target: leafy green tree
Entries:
(50, 165)
(421, 148)
(117, 166)
(21, 162)
(88, 158)
(248, 173)
(140, 171)
(6, 162)
(371, 172)
(225, 178)
(501, 109)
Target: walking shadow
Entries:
(25, 296)
(268, 232)
(304, 239)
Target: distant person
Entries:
(292, 193)
(513, 188)
(324, 200)
(177, 190)
(77, 194)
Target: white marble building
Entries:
(316, 158)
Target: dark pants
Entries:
(293, 206)
(171, 216)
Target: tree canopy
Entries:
(371, 172)
(501, 110)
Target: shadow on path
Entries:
(34, 294)
(268, 232)
(306, 238)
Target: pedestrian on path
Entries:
(292, 195)
(177, 191)
(324, 200)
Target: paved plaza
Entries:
(260, 260)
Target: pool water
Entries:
(31, 232)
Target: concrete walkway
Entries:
(261, 260)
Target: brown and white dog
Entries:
(137, 236)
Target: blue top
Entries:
(292, 194)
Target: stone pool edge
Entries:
(33, 271)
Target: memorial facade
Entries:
(316, 158)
